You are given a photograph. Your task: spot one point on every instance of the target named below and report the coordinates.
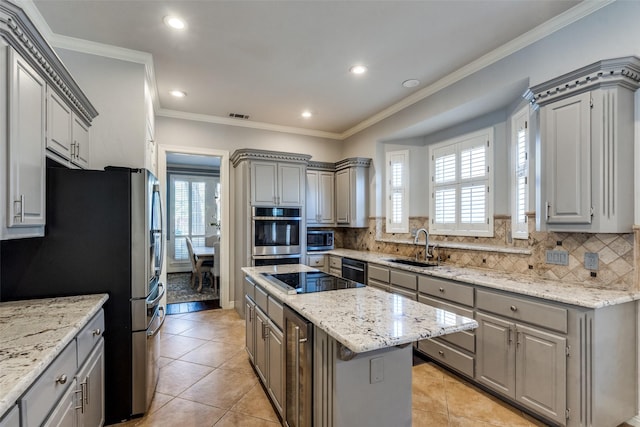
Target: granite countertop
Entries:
(364, 319)
(33, 333)
(568, 293)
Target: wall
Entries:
(116, 89)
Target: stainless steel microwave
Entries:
(319, 240)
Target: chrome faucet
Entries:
(426, 242)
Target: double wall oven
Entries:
(276, 234)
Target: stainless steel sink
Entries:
(412, 262)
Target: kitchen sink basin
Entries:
(412, 262)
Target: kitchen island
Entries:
(33, 334)
(361, 346)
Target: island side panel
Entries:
(372, 389)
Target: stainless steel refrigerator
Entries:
(103, 235)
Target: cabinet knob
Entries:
(513, 308)
(62, 379)
(96, 332)
(441, 353)
(441, 290)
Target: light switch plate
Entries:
(591, 260)
(557, 257)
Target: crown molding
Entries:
(563, 20)
(353, 162)
(253, 154)
(321, 166)
(245, 123)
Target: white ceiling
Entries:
(273, 59)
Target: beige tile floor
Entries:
(206, 380)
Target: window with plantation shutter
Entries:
(397, 191)
(520, 184)
(461, 198)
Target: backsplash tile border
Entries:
(617, 253)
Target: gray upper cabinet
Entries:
(587, 138)
(80, 146)
(352, 192)
(320, 198)
(277, 183)
(41, 101)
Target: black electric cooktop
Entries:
(308, 282)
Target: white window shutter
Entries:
(397, 191)
(520, 185)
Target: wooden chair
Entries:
(215, 270)
(198, 268)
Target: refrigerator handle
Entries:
(159, 297)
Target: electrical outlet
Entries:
(557, 257)
(376, 373)
(413, 232)
(591, 261)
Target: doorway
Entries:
(195, 184)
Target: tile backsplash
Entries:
(616, 253)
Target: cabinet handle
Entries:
(62, 379)
(513, 308)
(510, 337)
(86, 389)
(265, 333)
(77, 151)
(20, 214)
(441, 353)
(518, 339)
(441, 290)
(547, 207)
(96, 332)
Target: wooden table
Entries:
(202, 254)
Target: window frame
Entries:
(520, 120)
(403, 188)
(456, 146)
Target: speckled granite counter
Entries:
(568, 293)
(364, 319)
(33, 333)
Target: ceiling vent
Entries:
(239, 116)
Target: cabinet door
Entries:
(495, 359)
(58, 125)
(80, 143)
(91, 387)
(342, 190)
(566, 129)
(64, 414)
(326, 185)
(290, 184)
(276, 366)
(250, 329)
(541, 372)
(260, 355)
(263, 183)
(312, 205)
(26, 174)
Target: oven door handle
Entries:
(154, 332)
(277, 218)
(159, 297)
(351, 267)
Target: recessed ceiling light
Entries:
(178, 93)
(174, 22)
(358, 69)
(306, 114)
(411, 83)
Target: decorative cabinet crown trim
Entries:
(321, 166)
(250, 154)
(18, 30)
(609, 72)
(353, 162)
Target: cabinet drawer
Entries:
(447, 355)
(276, 313)
(11, 418)
(380, 285)
(404, 292)
(536, 313)
(261, 299)
(335, 262)
(45, 392)
(402, 279)
(249, 288)
(335, 272)
(380, 274)
(90, 335)
(445, 289)
(463, 339)
(316, 261)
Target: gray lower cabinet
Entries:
(395, 281)
(335, 265)
(90, 389)
(11, 418)
(265, 340)
(524, 363)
